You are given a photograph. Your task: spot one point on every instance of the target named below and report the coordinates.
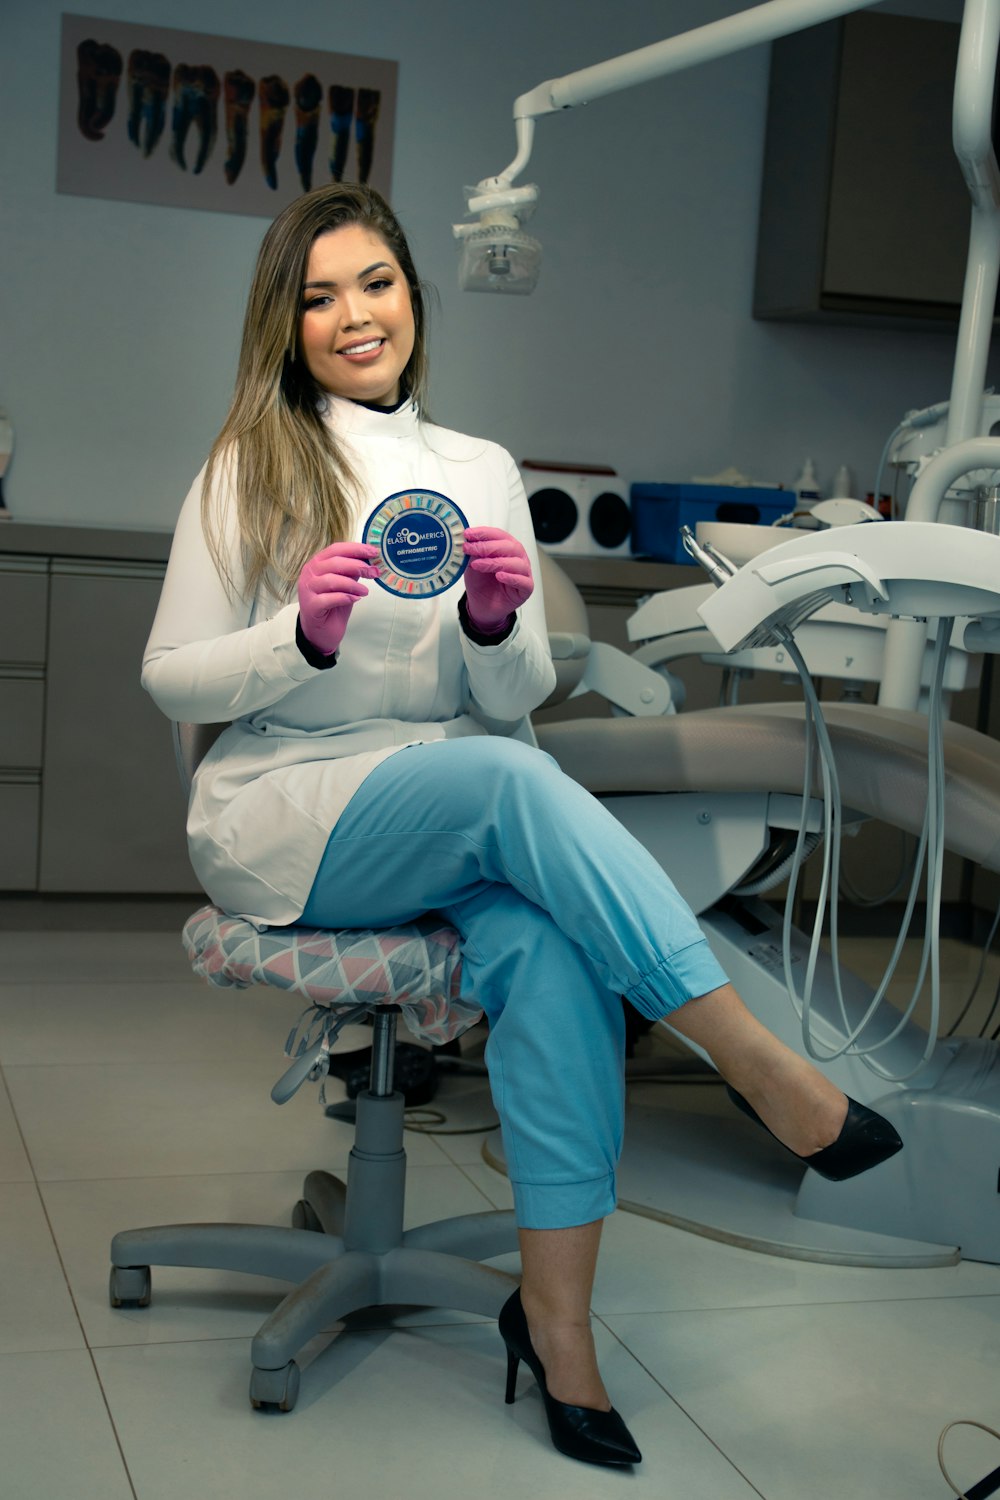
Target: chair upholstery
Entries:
(417, 966)
(881, 760)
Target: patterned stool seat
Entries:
(343, 974)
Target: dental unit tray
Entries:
(907, 569)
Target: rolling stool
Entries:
(347, 1249)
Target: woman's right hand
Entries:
(329, 587)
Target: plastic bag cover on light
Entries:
(499, 260)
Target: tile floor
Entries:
(134, 1094)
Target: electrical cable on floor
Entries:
(983, 1487)
(434, 1119)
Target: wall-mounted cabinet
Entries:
(864, 213)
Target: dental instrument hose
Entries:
(931, 846)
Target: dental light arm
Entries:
(705, 43)
(496, 253)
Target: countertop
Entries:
(633, 575)
(69, 539)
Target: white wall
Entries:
(119, 322)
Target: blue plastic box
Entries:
(660, 510)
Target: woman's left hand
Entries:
(498, 579)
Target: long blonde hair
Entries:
(294, 487)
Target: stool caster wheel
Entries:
(129, 1286)
(304, 1217)
(278, 1388)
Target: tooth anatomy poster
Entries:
(155, 115)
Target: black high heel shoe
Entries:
(866, 1138)
(596, 1437)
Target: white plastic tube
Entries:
(705, 43)
(972, 112)
(972, 138)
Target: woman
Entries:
(359, 783)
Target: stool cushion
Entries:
(416, 966)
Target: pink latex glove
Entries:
(329, 587)
(498, 579)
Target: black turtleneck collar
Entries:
(386, 410)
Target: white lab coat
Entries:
(303, 739)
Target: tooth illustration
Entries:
(308, 98)
(364, 129)
(341, 114)
(148, 87)
(238, 91)
(196, 100)
(274, 97)
(98, 73)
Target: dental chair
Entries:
(346, 1248)
(715, 796)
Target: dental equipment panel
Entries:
(899, 568)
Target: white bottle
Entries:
(842, 484)
(806, 487)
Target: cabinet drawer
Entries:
(113, 815)
(20, 803)
(24, 605)
(22, 702)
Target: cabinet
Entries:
(90, 800)
(864, 213)
(113, 811)
(23, 621)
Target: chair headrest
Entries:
(565, 612)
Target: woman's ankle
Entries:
(803, 1108)
(569, 1359)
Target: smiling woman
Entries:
(357, 330)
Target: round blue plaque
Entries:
(420, 536)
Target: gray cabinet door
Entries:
(112, 805)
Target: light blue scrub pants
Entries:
(560, 911)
